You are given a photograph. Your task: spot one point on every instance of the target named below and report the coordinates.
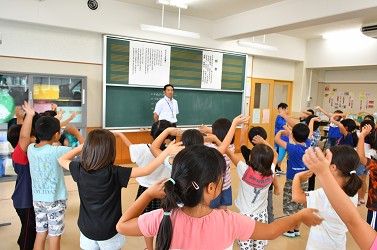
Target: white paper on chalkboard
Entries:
(149, 64)
(212, 69)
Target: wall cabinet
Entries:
(42, 90)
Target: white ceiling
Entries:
(210, 9)
(220, 9)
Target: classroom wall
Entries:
(323, 53)
(273, 69)
(351, 76)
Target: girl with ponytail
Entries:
(186, 220)
(331, 234)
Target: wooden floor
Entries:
(70, 238)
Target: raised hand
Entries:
(204, 129)
(157, 190)
(316, 161)
(366, 130)
(28, 109)
(258, 140)
(174, 148)
(305, 175)
(240, 119)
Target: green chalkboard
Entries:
(185, 66)
(133, 106)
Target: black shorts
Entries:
(153, 205)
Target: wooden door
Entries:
(266, 94)
(261, 104)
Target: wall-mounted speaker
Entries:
(92, 4)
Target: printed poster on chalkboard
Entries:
(149, 64)
(212, 70)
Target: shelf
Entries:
(13, 86)
(57, 100)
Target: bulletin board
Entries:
(351, 98)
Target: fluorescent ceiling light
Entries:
(169, 31)
(343, 34)
(174, 3)
(259, 46)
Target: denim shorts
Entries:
(115, 242)
(224, 199)
(361, 170)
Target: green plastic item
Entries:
(6, 107)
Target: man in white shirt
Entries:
(167, 107)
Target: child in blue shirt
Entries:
(347, 129)
(300, 133)
(281, 124)
(334, 132)
(48, 186)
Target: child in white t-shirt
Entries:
(331, 234)
(256, 177)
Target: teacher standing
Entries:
(167, 107)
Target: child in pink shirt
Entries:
(186, 221)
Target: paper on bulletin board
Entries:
(367, 99)
(362, 100)
(212, 69)
(256, 116)
(266, 116)
(149, 64)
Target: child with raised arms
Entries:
(185, 206)
(257, 132)
(49, 191)
(142, 156)
(364, 235)
(299, 135)
(99, 184)
(331, 234)
(347, 128)
(334, 132)
(189, 137)
(20, 136)
(219, 129)
(256, 175)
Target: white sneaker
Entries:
(297, 233)
(289, 234)
(281, 172)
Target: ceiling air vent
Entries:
(92, 4)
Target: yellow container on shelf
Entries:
(49, 92)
